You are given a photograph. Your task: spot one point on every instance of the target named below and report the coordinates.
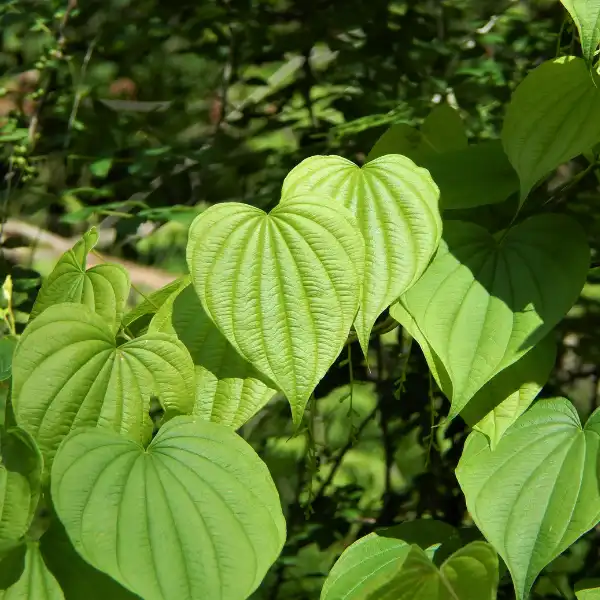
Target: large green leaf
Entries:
(194, 516)
(381, 566)
(396, 206)
(486, 300)
(586, 15)
(229, 390)
(69, 372)
(282, 287)
(553, 116)
(77, 578)
(36, 582)
(538, 491)
(20, 483)
(103, 288)
(7, 349)
(400, 138)
(443, 130)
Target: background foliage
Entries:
(136, 116)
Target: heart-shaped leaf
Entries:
(20, 483)
(282, 287)
(538, 491)
(486, 300)
(396, 206)
(35, 582)
(384, 566)
(229, 390)
(553, 116)
(196, 515)
(586, 16)
(69, 372)
(103, 288)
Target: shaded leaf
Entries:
(443, 130)
(103, 288)
(282, 287)
(396, 206)
(486, 300)
(68, 372)
(36, 582)
(20, 483)
(553, 116)
(547, 461)
(7, 349)
(196, 515)
(229, 390)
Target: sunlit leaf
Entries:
(20, 483)
(282, 287)
(396, 206)
(384, 566)
(36, 582)
(553, 116)
(588, 589)
(229, 390)
(196, 515)
(69, 372)
(586, 16)
(538, 491)
(103, 288)
(486, 300)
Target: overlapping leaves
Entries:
(396, 206)
(282, 287)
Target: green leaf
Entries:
(382, 567)
(36, 581)
(20, 483)
(396, 206)
(398, 139)
(77, 578)
(486, 300)
(139, 318)
(553, 116)
(68, 372)
(588, 589)
(474, 176)
(586, 16)
(7, 349)
(282, 287)
(196, 515)
(499, 403)
(443, 130)
(229, 390)
(103, 288)
(101, 167)
(545, 461)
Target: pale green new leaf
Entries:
(486, 300)
(194, 516)
(103, 288)
(36, 581)
(282, 287)
(381, 566)
(586, 16)
(538, 491)
(21, 467)
(588, 589)
(553, 116)
(396, 206)
(69, 372)
(229, 390)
